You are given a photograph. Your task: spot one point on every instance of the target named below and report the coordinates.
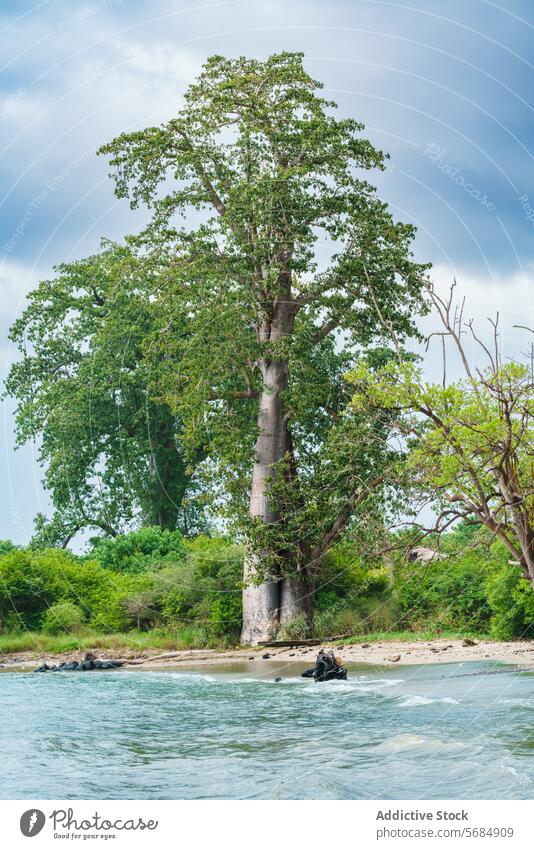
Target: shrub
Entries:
(144, 550)
(511, 600)
(141, 609)
(206, 588)
(30, 582)
(346, 573)
(445, 594)
(63, 617)
(296, 629)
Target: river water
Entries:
(447, 731)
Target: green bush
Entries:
(296, 629)
(511, 601)
(206, 587)
(153, 579)
(62, 618)
(446, 594)
(32, 581)
(345, 573)
(144, 550)
(196, 584)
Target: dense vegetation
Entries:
(188, 592)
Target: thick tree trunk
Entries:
(296, 590)
(261, 601)
(296, 599)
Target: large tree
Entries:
(85, 388)
(280, 256)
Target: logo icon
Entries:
(32, 822)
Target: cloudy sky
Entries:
(445, 87)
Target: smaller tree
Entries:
(64, 617)
(141, 608)
(86, 388)
(471, 442)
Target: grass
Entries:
(41, 643)
(184, 638)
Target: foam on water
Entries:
(416, 701)
(410, 742)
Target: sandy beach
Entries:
(386, 653)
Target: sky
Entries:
(444, 87)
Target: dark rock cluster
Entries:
(89, 662)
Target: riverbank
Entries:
(383, 652)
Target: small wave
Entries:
(518, 777)
(182, 676)
(415, 701)
(526, 703)
(414, 742)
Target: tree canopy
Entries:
(86, 387)
(282, 258)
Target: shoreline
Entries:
(384, 653)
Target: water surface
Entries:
(444, 731)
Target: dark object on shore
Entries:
(394, 659)
(276, 680)
(327, 668)
(468, 642)
(89, 662)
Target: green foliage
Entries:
(31, 582)
(247, 185)
(206, 587)
(511, 600)
(62, 618)
(360, 615)
(346, 571)
(144, 550)
(194, 592)
(469, 443)
(444, 594)
(472, 590)
(143, 580)
(85, 388)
